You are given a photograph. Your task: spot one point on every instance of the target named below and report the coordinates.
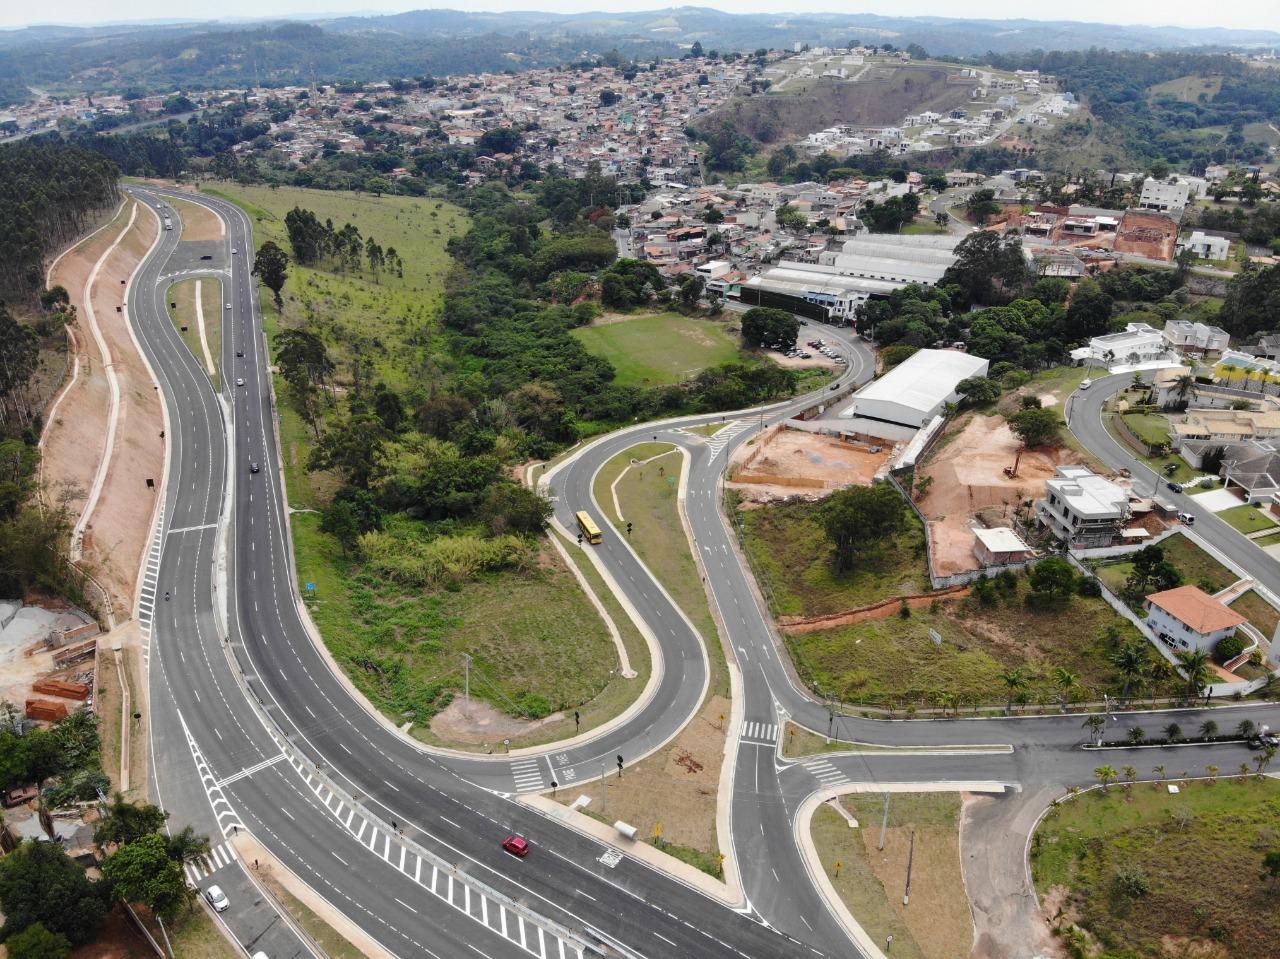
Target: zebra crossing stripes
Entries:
(764, 733)
(721, 439)
(223, 811)
(151, 581)
(220, 855)
(824, 772)
(527, 774)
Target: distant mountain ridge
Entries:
(196, 55)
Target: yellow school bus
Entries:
(589, 529)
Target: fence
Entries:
(1127, 434)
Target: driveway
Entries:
(1216, 500)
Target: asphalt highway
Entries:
(254, 729)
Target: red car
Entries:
(516, 845)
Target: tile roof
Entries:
(1196, 608)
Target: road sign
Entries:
(311, 586)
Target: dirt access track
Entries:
(786, 463)
(78, 421)
(968, 479)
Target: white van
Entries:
(1085, 384)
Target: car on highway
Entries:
(1187, 519)
(228, 306)
(253, 467)
(239, 381)
(239, 352)
(835, 386)
(516, 845)
(217, 898)
(234, 251)
(1085, 384)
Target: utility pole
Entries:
(884, 824)
(604, 794)
(911, 855)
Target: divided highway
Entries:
(254, 731)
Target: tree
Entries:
(1067, 683)
(339, 520)
(1095, 724)
(1014, 680)
(1252, 302)
(1130, 661)
(1136, 735)
(988, 268)
(40, 883)
(981, 205)
(1089, 313)
(1195, 670)
(123, 822)
(1172, 732)
(1106, 775)
(859, 518)
(1052, 581)
(1246, 729)
(302, 357)
(978, 390)
(350, 446)
(1036, 427)
(1270, 870)
(143, 871)
(270, 265)
(765, 325)
(1208, 729)
(37, 942)
(187, 845)
(1228, 648)
(511, 508)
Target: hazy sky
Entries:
(1263, 14)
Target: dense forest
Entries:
(48, 193)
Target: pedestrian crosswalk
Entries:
(150, 581)
(720, 440)
(824, 772)
(527, 774)
(220, 855)
(764, 733)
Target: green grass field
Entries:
(381, 319)
(1197, 567)
(1188, 89)
(788, 548)
(1152, 874)
(1247, 519)
(654, 349)
(183, 314)
(1151, 428)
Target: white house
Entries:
(1083, 509)
(1207, 247)
(1137, 344)
(1189, 337)
(999, 546)
(1164, 197)
(1189, 618)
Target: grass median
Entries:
(182, 310)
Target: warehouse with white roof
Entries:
(911, 394)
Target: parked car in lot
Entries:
(217, 899)
(516, 845)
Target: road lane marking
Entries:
(406, 905)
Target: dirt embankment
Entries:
(785, 463)
(76, 440)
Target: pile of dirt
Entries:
(969, 479)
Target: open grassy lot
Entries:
(1197, 567)
(1259, 612)
(648, 496)
(1150, 874)
(1188, 89)
(182, 297)
(790, 552)
(380, 319)
(195, 935)
(1247, 519)
(936, 924)
(895, 660)
(1151, 428)
(654, 349)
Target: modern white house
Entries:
(1188, 618)
(915, 391)
(1207, 246)
(1083, 509)
(1188, 337)
(1164, 197)
(1136, 345)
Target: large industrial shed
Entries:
(915, 391)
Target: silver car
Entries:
(217, 898)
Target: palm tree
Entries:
(1067, 682)
(1173, 732)
(1263, 759)
(187, 846)
(1208, 729)
(1130, 661)
(1159, 771)
(1014, 680)
(1136, 735)
(1106, 775)
(1213, 773)
(1195, 671)
(1096, 724)
(1184, 384)
(1246, 729)
(1244, 770)
(1131, 773)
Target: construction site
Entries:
(980, 477)
(786, 463)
